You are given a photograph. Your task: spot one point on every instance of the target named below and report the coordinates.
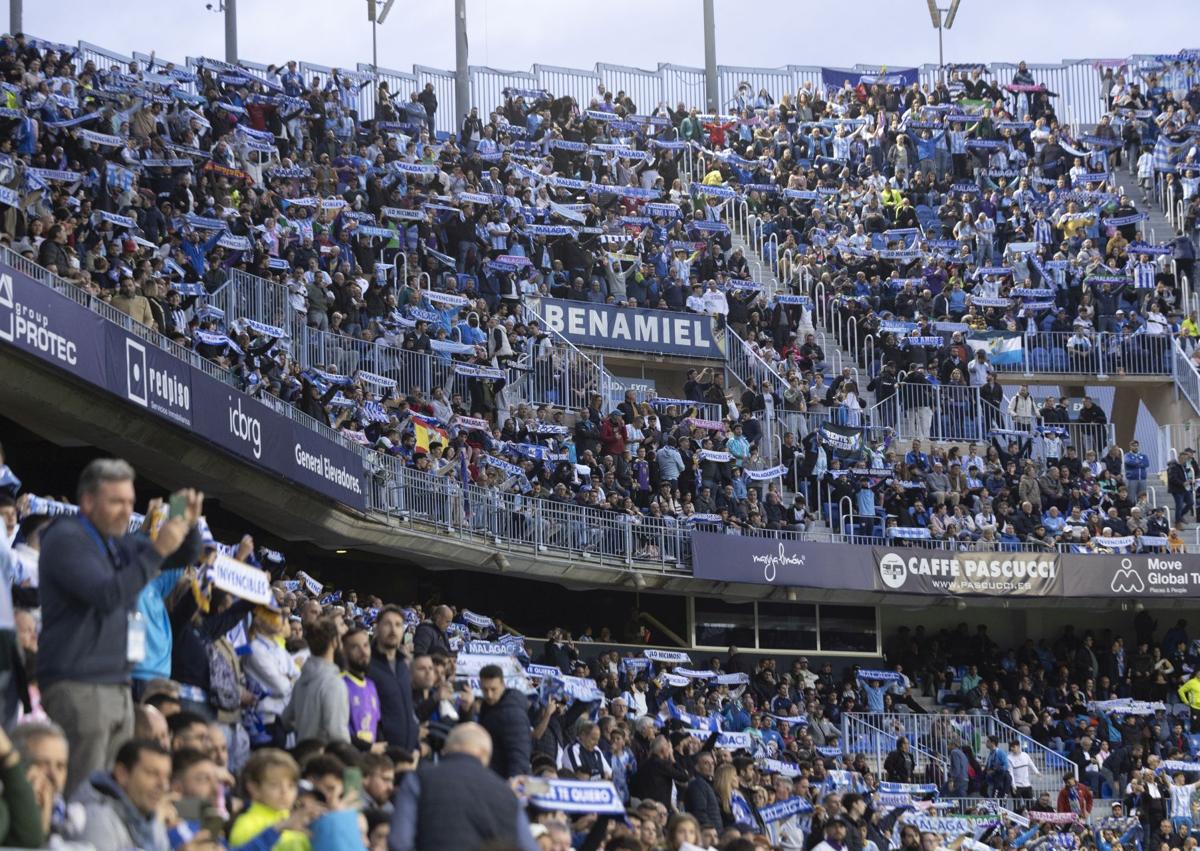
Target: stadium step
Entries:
(1157, 228)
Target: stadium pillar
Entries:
(462, 79)
(710, 57)
(14, 17)
(231, 52)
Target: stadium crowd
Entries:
(158, 710)
(928, 217)
(152, 704)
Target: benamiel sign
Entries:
(632, 329)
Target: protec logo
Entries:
(26, 326)
(245, 427)
(893, 571)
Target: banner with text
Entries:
(607, 326)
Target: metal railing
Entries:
(1081, 90)
(564, 377)
(939, 733)
(932, 412)
(860, 735)
(749, 366)
(517, 522)
(247, 296)
(1099, 353)
(1187, 377)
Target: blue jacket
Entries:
(960, 767)
(1136, 464)
(88, 587)
(159, 640)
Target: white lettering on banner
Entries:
(771, 562)
(1162, 576)
(646, 328)
(22, 323)
(327, 469)
(1015, 574)
(158, 389)
(242, 580)
(245, 428)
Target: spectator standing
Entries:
(364, 697)
(700, 799)
(1075, 798)
(900, 766)
(504, 714)
(428, 99)
(1022, 768)
(319, 708)
(431, 635)
(432, 811)
(91, 573)
(389, 672)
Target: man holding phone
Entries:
(92, 571)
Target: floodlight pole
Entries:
(372, 16)
(941, 60)
(14, 17)
(462, 78)
(231, 47)
(710, 57)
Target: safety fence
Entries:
(860, 735)
(1079, 85)
(1187, 376)
(938, 734)
(508, 520)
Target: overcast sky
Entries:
(513, 34)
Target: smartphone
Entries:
(211, 821)
(190, 809)
(352, 781)
(178, 506)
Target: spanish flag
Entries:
(429, 431)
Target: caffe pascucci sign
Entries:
(941, 572)
(917, 571)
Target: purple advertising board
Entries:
(941, 572)
(55, 329)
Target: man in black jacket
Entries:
(389, 671)
(900, 765)
(1180, 486)
(428, 99)
(700, 799)
(457, 802)
(504, 713)
(655, 778)
(431, 636)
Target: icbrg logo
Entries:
(245, 427)
(893, 571)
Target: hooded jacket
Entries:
(111, 821)
(319, 708)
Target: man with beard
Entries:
(364, 697)
(389, 672)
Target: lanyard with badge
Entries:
(135, 633)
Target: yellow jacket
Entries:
(713, 178)
(1189, 693)
(258, 818)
